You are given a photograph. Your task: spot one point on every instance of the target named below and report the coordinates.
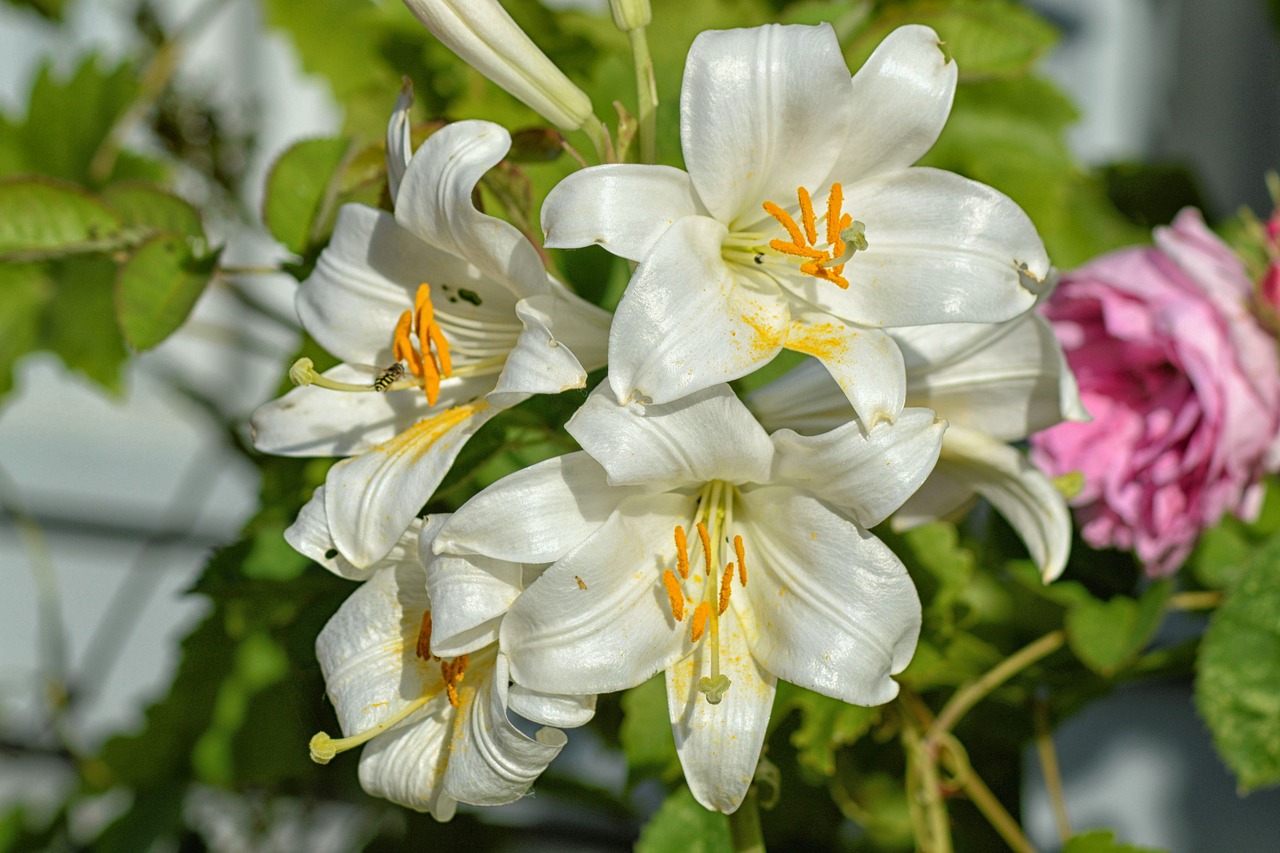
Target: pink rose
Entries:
(1184, 388)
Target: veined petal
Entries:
(535, 515)
(1017, 489)
(370, 499)
(941, 249)
(435, 203)
(614, 628)
(757, 115)
(469, 596)
(868, 473)
(828, 606)
(309, 535)
(406, 765)
(901, 97)
(399, 143)
(1010, 381)
(491, 762)
(624, 207)
(708, 435)
(864, 362)
(551, 709)
(545, 359)
(719, 745)
(686, 322)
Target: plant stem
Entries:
(1202, 600)
(995, 813)
(744, 825)
(933, 831)
(1050, 770)
(646, 95)
(972, 693)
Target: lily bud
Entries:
(630, 15)
(484, 35)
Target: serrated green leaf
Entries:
(79, 326)
(826, 725)
(1106, 635)
(300, 190)
(157, 287)
(986, 38)
(1238, 673)
(684, 826)
(150, 207)
(42, 218)
(1101, 841)
(645, 733)
(25, 290)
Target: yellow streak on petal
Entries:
(417, 440)
(824, 341)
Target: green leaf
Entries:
(42, 218)
(1101, 841)
(826, 725)
(986, 38)
(148, 206)
(1221, 555)
(79, 321)
(25, 290)
(157, 287)
(298, 204)
(1106, 635)
(1238, 674)
(51, 9)
(645, 733)
(684, 826)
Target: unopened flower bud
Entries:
(630, 14)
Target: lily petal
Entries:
(624, 207)
(686, 322)
(542, 512)
(309, 535)
(757, 116)
(1017, 489)
(559, 331)
(864, 362)
(941, 249)
(708, 435)
(719, 745)
(598, 620)
(436, 204)
(371, 499)
(901, 96)
(868, 473)
(805, 399)
(551, 709)
(842, 613)
(399, 141)
(469, 596)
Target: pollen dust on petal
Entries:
(769, 337)
(823, 341)
(418, 439)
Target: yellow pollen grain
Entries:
(740, 551)
(785, 220)
(726, 589)
(674, 594)
(682, 552)
(700, 617)
(807, 216)
(706, 545)
(424, 637)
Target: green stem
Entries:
(1200, 600)
(646, 95)
(744, 825)
(924, 791)
(973, 692)
(1050, 770)
(995, 813)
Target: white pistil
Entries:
(324, 748)
(855, 240)
(715, 686)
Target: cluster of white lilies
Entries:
(719, 540)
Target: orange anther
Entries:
(726, 588)
(675, 594)
(682, 552)
(451, 673)
(834, 218)
(424, 637)
(741, 553)
(700, 617)
(806, 215)
(706, 545)
(799, 251)
(785, 220)
(440, 347)
(402, 348)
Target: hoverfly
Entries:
(387, 376)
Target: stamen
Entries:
(452, 672)
(726, 587)
(324, 748)
(798, 250)
(706, 545)
(806, 215)
(682, 552)
(834, 202)
(700, 616)
(424, 637)
(844, 236)
(854, 235)
(740, 551)
(401, 347)
(674, 594)
(785, 220)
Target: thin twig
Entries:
(1050, 770)
(974, 691)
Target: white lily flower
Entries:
(484, 36)
(435, 721)
(994, 384)
(460, 307)
(735, 260)
(686, 539)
